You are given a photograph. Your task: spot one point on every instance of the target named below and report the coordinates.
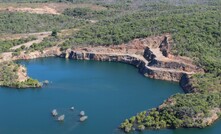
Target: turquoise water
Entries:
(107, 92)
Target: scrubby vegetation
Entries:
(9, 76)
(181, 110)
(27, 22)
(194, 33)
(33, 1)
(205, 83)
(47, 42)
(88, 13)
(28, 83)
(7, 44)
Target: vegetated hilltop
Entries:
(195, 27)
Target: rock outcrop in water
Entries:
(61, 118)
(83, 118)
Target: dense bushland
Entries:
(180, 110)
(27, 22)
(7, 44)
(196, 33)
(88, 13)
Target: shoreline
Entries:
(151, 55)
(138, 61)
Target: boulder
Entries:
(83, 118)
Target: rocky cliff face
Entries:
(165, 47)
(149, 55)
(145, 54)
(173, 65)
(128, 59)
(186, 84)
(138, 53)
(162, 74)
(154, 62)
(48, 52)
